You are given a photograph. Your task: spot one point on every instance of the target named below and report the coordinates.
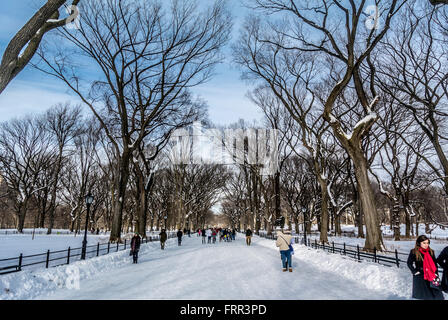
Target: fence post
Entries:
(108, 247)
(124, 244)
(374, 254)
(396, 258)
(117, 245)
(344, 249)
(332, 242)
(315, 243)
(68, 255)
(359, 258)
(97, 249)
(48, 258)
(20, 261)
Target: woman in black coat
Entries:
(179, 237)
(135, 247)
(420, 287)
(442, 260)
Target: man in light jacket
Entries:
(283, 242)
(208, 232)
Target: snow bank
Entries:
(34, 284)
(397, 283)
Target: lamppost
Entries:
(304, 224)
(89, 200)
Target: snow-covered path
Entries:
(221, 271)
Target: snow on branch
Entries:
(385, 192)
(333, 203)
(365, 123)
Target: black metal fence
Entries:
(62, 257)
(6, 232)
(354, 235)
(386, 258)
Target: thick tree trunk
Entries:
(277, 195)
(373, 231)
(396, 219)
(72, 225)
(324, 210)
(408, 224)
(21, 214)
(43, 209)
(337, 225)
(142, 208)
(120, 186)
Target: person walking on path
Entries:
(233, 234)
(163, 237)
(179, 237)
(214, 235)
(442, 260)
(209, 235)
(203, 236)
(284, 242)
(189, 233)
(248, 236)
(199, 232)
(135, 247)
(423, 265)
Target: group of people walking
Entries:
(209, 235)
(427, 284)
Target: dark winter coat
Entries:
(248, 233)
(163, 236)
(442, 260)
(420, 286)
(135, 243)
(203, 233)
(179, 234)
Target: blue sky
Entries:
(32, 91)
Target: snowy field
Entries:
(212, 271)
(12, 245)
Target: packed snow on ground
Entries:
(225, 270)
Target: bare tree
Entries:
(333, 30)
(149, 57)
(63, 124)
(413, 72)
(25, 153)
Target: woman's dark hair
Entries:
(419, 240)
